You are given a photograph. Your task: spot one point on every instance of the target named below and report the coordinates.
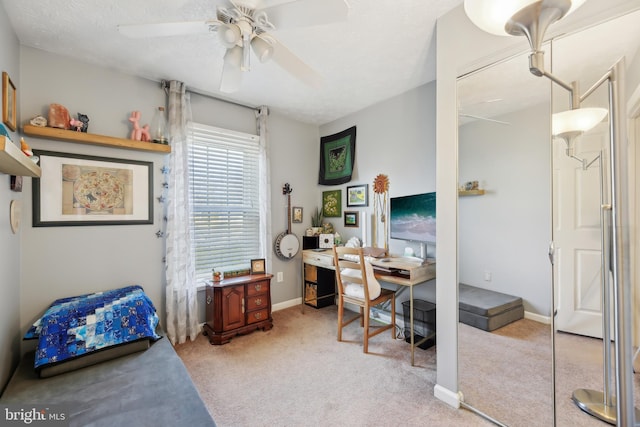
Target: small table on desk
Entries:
(399, 271)
(395, 270)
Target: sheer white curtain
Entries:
(181, 292)
(265, 184)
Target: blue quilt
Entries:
(76, 326)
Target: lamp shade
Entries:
(492, 16)
(262, 48)
(576, 121)
(229, 35)
(231, 72)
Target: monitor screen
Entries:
(413, 218)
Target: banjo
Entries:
(286, 245)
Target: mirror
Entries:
(504, 144)
(524, 370)
(578, 195)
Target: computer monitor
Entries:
(413, 218)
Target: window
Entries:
(224, 182)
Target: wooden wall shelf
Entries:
(463, 193)
(92, 138)
(14, 162)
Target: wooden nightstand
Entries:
(238, 306)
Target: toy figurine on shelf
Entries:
(76, 124)
(85, 122)
(28, 152)
(138, 133)
(25, 148)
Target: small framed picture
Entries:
(358, 195)
(332, 203)
(296, 215)
(9, 98)
(258, 266)
(351, 219)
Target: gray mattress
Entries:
(483, 308)
(148, 388)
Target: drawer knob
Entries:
(258, 287)
(208, 299)
(258, 316)
(258, 301)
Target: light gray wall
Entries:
(507, 231)
(9, 242)
(294, 156)
(396, 138)
(64, 261)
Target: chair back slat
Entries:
(341, 263)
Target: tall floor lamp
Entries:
(531, 18)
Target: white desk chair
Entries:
(357, 285)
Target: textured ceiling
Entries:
(583, 57)
(385, 48)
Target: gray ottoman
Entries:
(482, 308)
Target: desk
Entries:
(412, 275)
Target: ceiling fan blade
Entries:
(471, 116)
(231, 71)
(307, 13)
(294, 65)
(166, 29)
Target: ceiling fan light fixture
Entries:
(577, 121)
(233, 57)
(229, 34)
(262, 48)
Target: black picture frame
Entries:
(358, 195)
(65, 193)
(351, 219)
(258, 266)
(337, 157)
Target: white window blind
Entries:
(224, 178)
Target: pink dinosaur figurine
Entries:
(138, 133)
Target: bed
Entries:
(141, 382)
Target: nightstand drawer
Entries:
(257, 302)
(257, 316)
(258, 288)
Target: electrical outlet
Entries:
(280, 277)
(487, 276)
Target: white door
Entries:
(577, 235)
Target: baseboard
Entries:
(447, 396)
(537, 317)
(286, 304)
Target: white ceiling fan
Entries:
(461, 113)
(247, 25)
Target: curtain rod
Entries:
(164, 84)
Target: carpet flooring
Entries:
(298, 374)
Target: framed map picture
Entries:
(88, 190)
